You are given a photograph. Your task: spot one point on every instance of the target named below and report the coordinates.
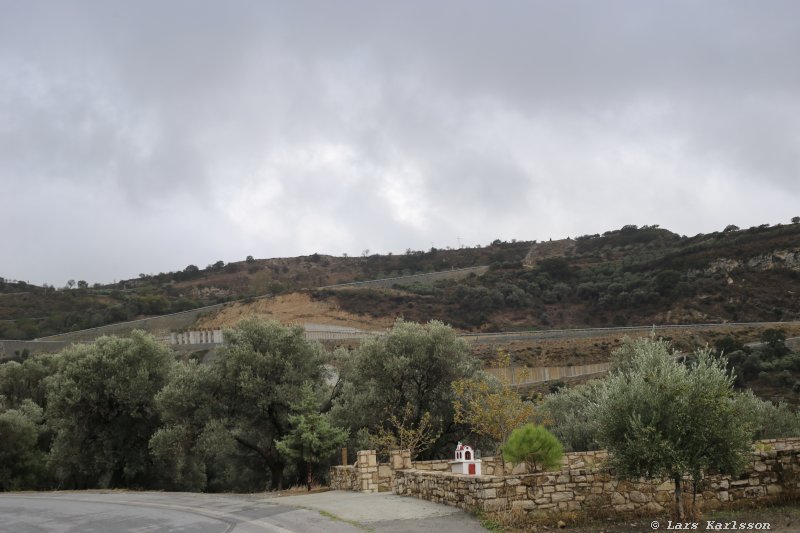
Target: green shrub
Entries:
(534, 446)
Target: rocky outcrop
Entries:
(789, 259)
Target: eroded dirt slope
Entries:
(298, 308)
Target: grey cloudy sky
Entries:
(145, 136)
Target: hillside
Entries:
(29, 311)
(629, 276)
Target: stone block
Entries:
(668, 485)
(573, 506)
(562, 496)
(774, 489)
(653, 507)
(754, 492)
(618, 499)
(523, 504)
(498, 504)
(519, 469)
(638, 497)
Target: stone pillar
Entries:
(367, 471)
(395, 459)
(406, 456)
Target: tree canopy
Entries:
(101, 407)
(660, 417)
(490, 407)
(241, 402)
(413, 365)
(311, 437)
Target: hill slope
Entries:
(630, 276)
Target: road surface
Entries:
(151, 512)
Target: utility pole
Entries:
(459, 242)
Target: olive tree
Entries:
(414, 364)
(180, 447)
(659, 417)
(568, 415)
(22, 462)
(222, 421)
(100, 403)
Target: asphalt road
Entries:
(140, 512)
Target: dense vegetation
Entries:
(577, 424)
(272, 408)
(630, 276)
(123, 412)
(662, 416)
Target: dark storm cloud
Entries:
(139, 137)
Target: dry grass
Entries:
(782, 515)
(299, 490)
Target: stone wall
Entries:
(344, 478)
(341, 476)
(367, 475)
(584, 485)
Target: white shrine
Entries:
(465, 461)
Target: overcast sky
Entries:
(145, 136)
